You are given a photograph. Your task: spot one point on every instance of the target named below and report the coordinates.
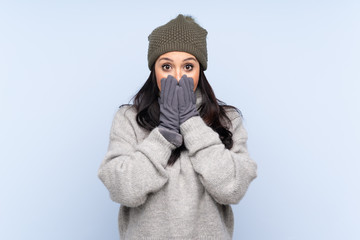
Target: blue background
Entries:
(291, 67)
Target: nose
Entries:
(178, 74)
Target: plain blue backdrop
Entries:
(291, 67)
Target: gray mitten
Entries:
(169, 125)
(187, 99)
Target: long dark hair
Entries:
(211, 110)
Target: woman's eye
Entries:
(165, 67)
(189, 67)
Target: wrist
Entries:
(170, 127)
(171, 136)
(187, 116)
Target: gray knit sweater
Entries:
(189, 200)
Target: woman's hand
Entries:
(186, 99)
(168, 101)
(169, 125)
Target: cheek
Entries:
(195, 76)
(159, 76)
(196, 81)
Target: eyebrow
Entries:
(164, 58)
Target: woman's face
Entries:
(177, 64)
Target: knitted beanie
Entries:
(179, 34)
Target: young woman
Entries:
(177, 157)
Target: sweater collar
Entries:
(198, 97)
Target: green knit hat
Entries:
(179, 34)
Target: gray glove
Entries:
(169, 125)
(187, 99)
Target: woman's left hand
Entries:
(186, 99)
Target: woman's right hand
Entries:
(169, 125)
(169, 107)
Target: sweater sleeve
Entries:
(132, 170)
(225, 174)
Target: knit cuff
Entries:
(156, 147)
(197, 135)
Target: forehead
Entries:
(176, 55)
